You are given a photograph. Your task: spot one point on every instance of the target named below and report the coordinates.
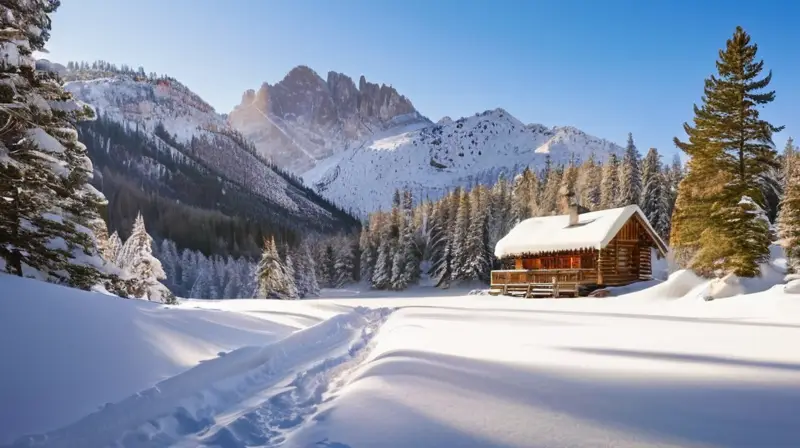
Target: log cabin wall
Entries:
(620, 263)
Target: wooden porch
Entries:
(542, 282)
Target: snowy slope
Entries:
(194, 133)
(433, 159)
(665, 369)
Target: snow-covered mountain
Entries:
(430, 160)
(304, 118)
(168, 116)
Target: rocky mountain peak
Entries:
(304, 118)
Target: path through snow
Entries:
(249, 396)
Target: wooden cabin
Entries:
(574, 254)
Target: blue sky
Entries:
(608, 67)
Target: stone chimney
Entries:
(573, 214)
(571, 205)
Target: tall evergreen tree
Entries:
(500, 211)
(590, 184)
(344, 264)
(477, 264)
(630, 182)
(655, 199)
(48, 208)
(441, 255)
(460, 254)
(271, 273)
(368, 252)
(732, 154)
(113, 247)
(549, 203)
(609, 184)
(291, 286)
(382, 274)
(136, 258)
(789, 216)
(523, 189)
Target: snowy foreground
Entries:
(658, 367)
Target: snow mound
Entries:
(75, 351)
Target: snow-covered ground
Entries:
(650, 367)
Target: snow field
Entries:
(655, 366)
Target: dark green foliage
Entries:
(185, 201)
(715, 229)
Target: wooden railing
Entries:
(541, 276)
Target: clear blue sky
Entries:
(608, 67)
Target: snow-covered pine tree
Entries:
(233, 288)
(789, 215)
(168, 255)
(499, 211)
(655, 199)
(630, 181)
(47, 224)
(305, 276)
(368, 251)
(609, 183)
(440, 255)
(291, 287)
(213, 291)
(549, 203)
(113, 248)
(328, 266)
(477, 264)
(589, 183)
(271, 273)
(460, 232)
(344, 263)
(189, 271)
(199, 288)
(382, 274)
(523, 190)
(136, 258)
(731, 152)
(569, 181)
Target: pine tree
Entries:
(112, 248)
(440, 236)
(609, 184)
(589, 182)
(305, 272)
(136, 258)
(499, 211)
(233, 288)
(271, 273)
(630, 182)
(328, 267)
(405, 265)
(460, 254)
(655, 199)
(199, 288)
(789, 216)
(789, 152)
(549, 203)
(382, 274)
(344, 264)
(477, 263)
(368, 252)
(48, 208)
(291, 286)
(717, 225)
(525, 196)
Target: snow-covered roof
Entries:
(553, 233)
